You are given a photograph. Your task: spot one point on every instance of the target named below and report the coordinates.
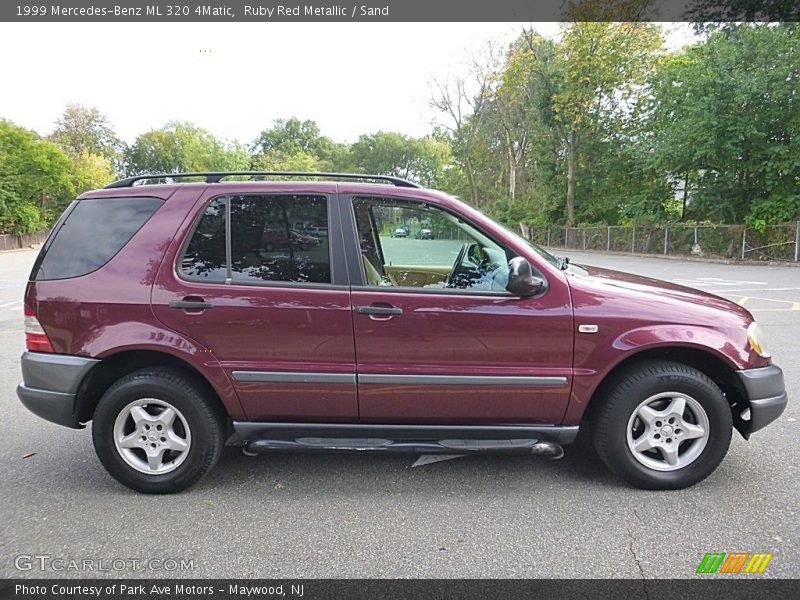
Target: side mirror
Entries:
(521, 280)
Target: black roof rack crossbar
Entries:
(216, 177)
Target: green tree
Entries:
(463, 102)
(84, 130)
(291, 136)
(726, 123)
(386, 153)
(300, 143)
(183, 147)
(91, 171)
(276, 160)
(591, 76)
(709, 14)
(35, 180)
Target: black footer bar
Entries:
(706, 587)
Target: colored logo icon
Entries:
(734, 562)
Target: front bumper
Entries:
(50, 385)
(766, 393)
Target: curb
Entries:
(31, 247)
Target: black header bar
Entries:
(524, 11)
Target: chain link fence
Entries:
(775, 242)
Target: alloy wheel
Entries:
(668, 431)
(152, 436)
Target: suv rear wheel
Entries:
(157, 431)
(664, 425)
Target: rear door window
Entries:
(205, 258)
(273, 238)
(91, 234)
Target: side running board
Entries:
(257, 438)
(547, 449)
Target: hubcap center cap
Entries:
(666, 430)
(152, 436)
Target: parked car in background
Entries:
(156, 313)
(424, 234)
(399, 232)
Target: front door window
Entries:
(413, 244)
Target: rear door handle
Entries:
(190, 303)
(379, 310)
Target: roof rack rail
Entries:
(216, 177)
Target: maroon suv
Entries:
(170, 317)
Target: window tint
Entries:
(91, 235)
(279, 238)
(413, 244)
(205, 255)
(273, 238)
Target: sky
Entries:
(234, 79)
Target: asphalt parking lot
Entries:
(377, 516)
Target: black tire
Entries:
(197, 408)
(630, 389)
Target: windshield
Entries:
(551, 258)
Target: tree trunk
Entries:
(685, 195)
(473, 192)
(512, 166)
(512, 176)
(571, 162)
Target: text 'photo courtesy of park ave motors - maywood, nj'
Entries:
(158, 590)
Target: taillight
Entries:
(35, 338)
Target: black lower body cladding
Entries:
(50, 385)
(766, 392)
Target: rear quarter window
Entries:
(91, 234)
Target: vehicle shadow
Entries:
(393, 473)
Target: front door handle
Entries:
(191, 303)
(388, 311)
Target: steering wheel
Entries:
(460, 271)
(485, 272)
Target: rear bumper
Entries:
(51, 406)
(766, 392)
(50, 385)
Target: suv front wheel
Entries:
(664, 425)
(157, 431)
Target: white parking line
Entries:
(786, 289)
(713, 282)
(717, 280)
(9, 304)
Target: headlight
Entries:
(755, 337)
